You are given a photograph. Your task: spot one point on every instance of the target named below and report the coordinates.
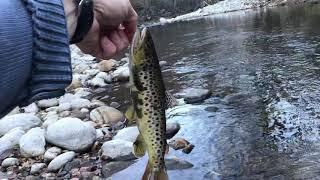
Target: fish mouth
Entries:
(138, 38)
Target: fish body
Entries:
(149, 104)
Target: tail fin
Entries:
(150, 174)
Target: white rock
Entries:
(65, 114)
(37, 167)
(9, 140)
(106, 115)
(85, 110)
(50, 118)
(99, 134)
(45, 103)
(97, 82)
(105, 76)
(10, 162)
(122, 73)
(52, 109)
(81, 68)
(51, 153)
(96, 103)
(127, 134)
(71, 133)
(64, 107)
(82, 92)
(117, 150)
(32, 143)
(60, 161)
(67, 98)
(31, 108)
(80, 103)
(92, 72)
(194, 95)
(25, 120)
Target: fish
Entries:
(148, 96)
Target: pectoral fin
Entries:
(131, 115)
(171, 101)
(138, 147)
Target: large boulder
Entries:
(72, 134)
(25, 121)
(32, 143)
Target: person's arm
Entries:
(34, 45)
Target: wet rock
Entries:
(24, 120)
(122, 73)
(180, 143)
(115, 105)
(11, 139)
(175, 163)
(46, 103)
(60, 161)
(106, 115)
(119, 150)
(51, 153)
(64, 107)
(37, 167)
(194, 95)
(107, 65)
(32, 143)
(127, 134)
(31, 108)
(113, 167)
(72, 134)
(10, 162)
(172, 129)
(212, 109)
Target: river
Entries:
(263, 118)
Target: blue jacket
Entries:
(34, 52)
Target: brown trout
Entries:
(149, 104)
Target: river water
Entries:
(263, 118)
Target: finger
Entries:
(115, 38)
(130, 23)
(124, 38)
(108, 48)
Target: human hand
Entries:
(112, 30)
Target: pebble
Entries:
(46, 103)
(31, 108)
(119, 150)
(115, 105)
(10, 162)
(50, 118)
(127, 134)
(97, 82)
(51, 153)
(33, 143)
(79, 103)
(194, 95)
(24, 120)
(37, 167)
(107, 115)
(107, 65)
(72, 134)
(105, 76)
(64, 107)
(11, 139)
(122, 73)
(60, 161)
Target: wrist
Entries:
(70, 10)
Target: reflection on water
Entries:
(263, 119)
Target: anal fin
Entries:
(138, 147)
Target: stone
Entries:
(24, 120)
(79, 114)
(10, 162)
(83, 93)
(65, 114)
(75, 83)
(194, 95)
(163, 63)
(46, 103)
(79, 103)
(33, 143)
(125, 60)
(60, 161)
(51, 153)
(10, 139)
(100, 134)
(52, 109)
(122, 73)
(172, 129)
(72, 134)
(97, 82)
(105, 76)
(118, 150)
(96, 103)
(64, 107)
(175, 163)
(107, 65)
(127, 134)
(50, 118)
(115, 105)
(37, 167)
(31, 108)
(107, 115)
(80, 68)
(113, 167)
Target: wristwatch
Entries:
(85, 19)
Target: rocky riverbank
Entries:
(80, 134)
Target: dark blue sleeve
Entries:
(34, 52)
